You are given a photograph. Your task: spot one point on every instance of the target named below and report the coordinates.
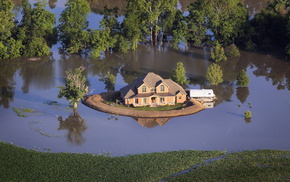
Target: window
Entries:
(152, 89)
(162, 88)
(136, 101)
(144, 100)
(143, 120)
(179, 97)
(144, 89)
(162, 99)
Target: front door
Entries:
(153, 100)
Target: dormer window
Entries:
(144, 89)
(162, 88)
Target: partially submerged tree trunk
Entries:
(75, 105)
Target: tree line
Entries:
(218, 23)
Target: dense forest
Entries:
(220, 24)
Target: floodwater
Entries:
(222, 126)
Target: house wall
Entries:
(140, 89)
(158, 88)
(180, 98)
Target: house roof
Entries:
(151, 80)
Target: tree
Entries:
(243, 79)
(223, 17)
(214, 74)
(6, 20)
(217, 54)
(75, 87)
(196, 23)
(179, 75)
(35, 28)
(179, 30)
(232, 51)
(73, 25)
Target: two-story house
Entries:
(152, 90)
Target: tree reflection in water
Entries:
(75, 125)
(242, 94)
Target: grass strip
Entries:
(261, 165)
(19, 164)
(19, 112)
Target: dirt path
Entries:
(95, 102)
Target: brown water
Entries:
(33, 85)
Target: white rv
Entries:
(205, 95)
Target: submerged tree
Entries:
(179, 75)
(243, 79)
(73, 25)
(214, 74)
(217, 54)
(75, 87)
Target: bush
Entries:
(232, 51)
(243, 79)
(214, 74)
(248, 115)
(217, 54)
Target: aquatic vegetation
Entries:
(19, 112)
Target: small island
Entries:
(149, 90)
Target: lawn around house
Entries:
(19, 164)
(106, 102)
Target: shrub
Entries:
(217, 54)
(243, 79)
(214, 74)
(248, 115)
(232, 51)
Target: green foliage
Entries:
(248, 114)
(6, 20)
(73, 22)
(243, 79)
(224, 17)
(214, 74)
(179, 30)
(232, 51)
(179, 74)
(19, 163)
(260, 165)
(270, 25)
(20, 111)
(75, 87)
(217, 54)
(37, 47)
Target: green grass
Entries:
(160, 108)
(261, 165)
(147, 108)
(18, 164)
(19, 112)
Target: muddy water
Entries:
(54, 126)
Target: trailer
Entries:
(204, 95)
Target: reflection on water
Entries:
(242, 93)
(152, 122)
(75, 125)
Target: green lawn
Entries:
(19, 164)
